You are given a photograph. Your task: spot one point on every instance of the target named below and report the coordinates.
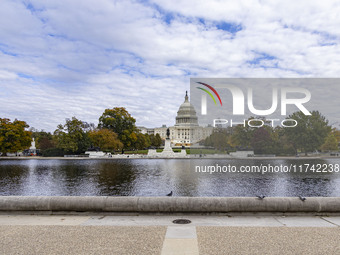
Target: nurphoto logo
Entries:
(241, 98)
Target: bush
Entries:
(53, 152)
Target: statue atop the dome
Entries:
(168, 133)
(186, 96)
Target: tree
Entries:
(106, 139)
(13, 136)
(242, 134)
(128, 139)
(330, 144)
(336, 134)
(310, 132)
(156, 140)
(282, 145)
(71, 137)
(143, 141)
(122, 123)
(44, 140)
(219, 140)
(262, 141)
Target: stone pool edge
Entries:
(107, 204)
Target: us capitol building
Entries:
(186, 131)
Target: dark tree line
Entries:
(311, 133)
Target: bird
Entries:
(261, 196)
(302, 198)
(169, 195)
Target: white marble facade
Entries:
(186, 131)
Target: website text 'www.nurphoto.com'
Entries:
(269, 168)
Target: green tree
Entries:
(262, 141)
(155, 140)
(143, 141)
(128, 139)
(310, 132)
(330, 144)
(336, 134)
(243, 134)
(106, 139)
(44, 140)
(13, 136)
(219, 140)
(282, 145)
(122, 123)
(71, 137)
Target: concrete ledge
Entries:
(171, 204)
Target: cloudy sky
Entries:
(67, 58)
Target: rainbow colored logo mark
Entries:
(207, 91)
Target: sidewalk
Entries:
(59, 234)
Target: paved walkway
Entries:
(58, 234)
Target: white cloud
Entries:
(60, 59)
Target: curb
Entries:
(170, 204)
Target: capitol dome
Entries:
(186, 114)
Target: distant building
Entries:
(186, 131)
(144, 130)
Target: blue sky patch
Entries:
(229, 27)
(261, 56)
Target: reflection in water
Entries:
(157, 177)
(115, 179)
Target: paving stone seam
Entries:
(330, 222)
(276, 218)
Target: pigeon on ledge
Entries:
(302, 198)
